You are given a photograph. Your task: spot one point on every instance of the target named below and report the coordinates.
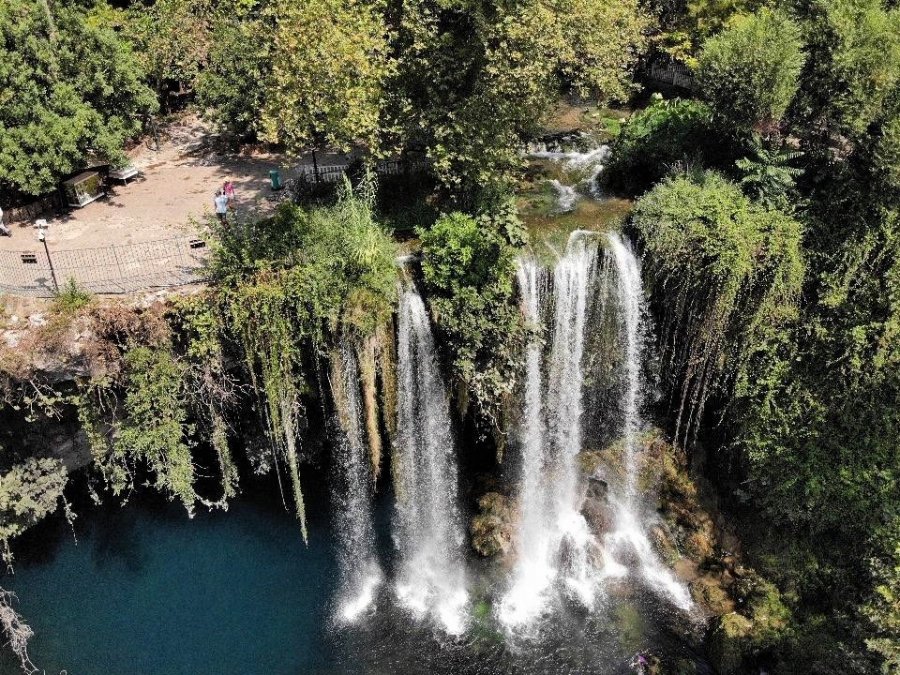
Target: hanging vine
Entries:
(726, 274)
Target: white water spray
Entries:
(555, 542)
(430, 536)
(566, 196)
(629, 532)
(360, 573)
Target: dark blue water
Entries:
(147, 591)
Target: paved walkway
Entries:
(174, 191)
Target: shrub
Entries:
(656, 139)
(70, 299)
(469, 265)
(750, 72)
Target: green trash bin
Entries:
(275, 177)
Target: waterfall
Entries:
(556, 549)
(629, 531)
(630, 297)
(554, 541)
(566, 196)
(360, 573)
(429, 533)
(534, 571)
(572, 285)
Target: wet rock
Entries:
(597, 489)
(710, 592)
(590, 462)
(492, 527)
(664, 544)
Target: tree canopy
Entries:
(71, 92)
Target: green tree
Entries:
(750, 72)
(475, 78)
(231, 89)
(172, 40)
(330, 62)
(70, 93)
(853, 69)
(469, 266)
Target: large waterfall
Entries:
(556, 549)
(360, 573)
(430, 535)
(554, 541)
(629, 534)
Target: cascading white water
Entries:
(534, 571)
(630, 297)
(572, 285)
(554, 540)
(429, 533)
(566, 196)
(360, 573)
(591, 162)
(629, 530)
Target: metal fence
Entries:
(673, 74)
(109, 270)
(331, 173)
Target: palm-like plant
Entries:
(767, 175)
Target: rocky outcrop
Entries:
(492, 527)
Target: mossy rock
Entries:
(589, 462)
(729, 642)
(664, 544)
(712, 594)
(492, 527)
(630, 627)
(762, 599)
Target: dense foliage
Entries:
(769, 221)
(469, 266)
(287, 286)
(749, 72)
(802, 388)
(71, 91)
(662, 138)
(732, 271)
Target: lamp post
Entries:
(43, 239)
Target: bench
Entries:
(124, 174)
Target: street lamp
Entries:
(43, 239)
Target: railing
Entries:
(110, 270)
(331, 173)
(672, 73)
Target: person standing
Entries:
(221, 202)
(4, 230)
(229, 191)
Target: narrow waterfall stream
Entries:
(630, 534)
(360, 573)
(534, 570)
(429, 534)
